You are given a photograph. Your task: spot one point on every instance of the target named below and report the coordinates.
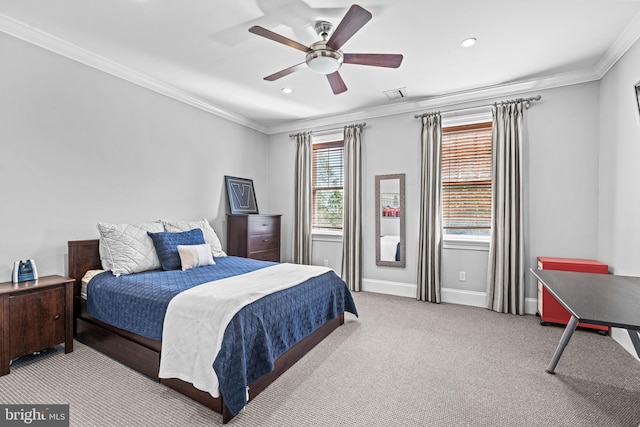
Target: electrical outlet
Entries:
(463, 276)
(325, 262)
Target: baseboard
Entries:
(479, 299)
(389, 288)
(531, 305)
(464, 297)
(449, 295)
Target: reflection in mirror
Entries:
(390, 241)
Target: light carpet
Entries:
(402, 363)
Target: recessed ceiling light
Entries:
(287, 90)
(468, 42)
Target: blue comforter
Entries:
(260, 332)
(256, 336)
(138, 302)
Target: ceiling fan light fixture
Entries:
(324, 60)
(324, 64)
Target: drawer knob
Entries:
(265, 240)
(56, 317)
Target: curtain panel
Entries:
(505, 278)
(430, 237)
(352, 211)
(302, 208)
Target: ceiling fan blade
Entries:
(373, 59)
(256, 29)
(355, 19)
(285, 72)
(336, 82)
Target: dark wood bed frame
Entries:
(143, 354)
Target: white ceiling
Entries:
(201, 52)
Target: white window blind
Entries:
(327, 186)
(466, 179)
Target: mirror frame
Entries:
(403, 254)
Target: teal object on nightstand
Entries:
(24, 271)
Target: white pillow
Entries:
(192, 256)
(104, 255)
(210, 235)
(127, 247)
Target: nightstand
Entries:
(35, 315)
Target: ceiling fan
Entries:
(325, 56)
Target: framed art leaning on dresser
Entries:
(241, 196)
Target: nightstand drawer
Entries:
(270, 255)
(263, 242)
(263, 226)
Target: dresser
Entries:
(35, 315)
(254, 236)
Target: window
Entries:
(327, 185)
(466, 179)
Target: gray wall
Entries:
(619, 225)
(78, 146)
(619, 222)
(561, 180)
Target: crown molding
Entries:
(449, 100)
(443, 101)
(620, 46)
(54, 44)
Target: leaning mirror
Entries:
(390, 241)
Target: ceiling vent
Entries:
(396, 93)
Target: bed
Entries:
(142, 351)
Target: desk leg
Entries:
(635, 340)
(566, 336)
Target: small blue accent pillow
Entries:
(166, 245)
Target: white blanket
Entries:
(196, 319)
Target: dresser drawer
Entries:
(263, 226)
(261, 242)
(269, 255)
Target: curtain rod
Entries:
(527, 104)
(363, 124)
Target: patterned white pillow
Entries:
(210, 235)
(192, 256)
(127, 248)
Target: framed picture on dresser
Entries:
(241, 196)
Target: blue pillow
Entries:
(166, 245)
